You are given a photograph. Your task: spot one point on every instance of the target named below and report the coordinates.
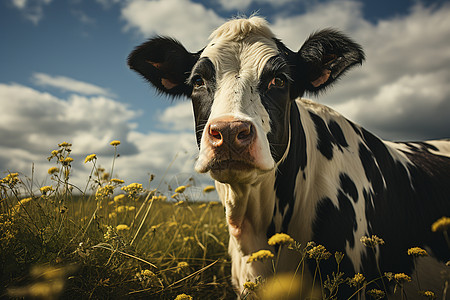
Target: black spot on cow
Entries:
(338, 135)
(295, 162)
(348, 186)
(325, 140)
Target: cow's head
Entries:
(242, 85)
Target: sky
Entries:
(63, 77)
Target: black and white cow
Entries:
(286, 164)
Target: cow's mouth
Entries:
(230, 165)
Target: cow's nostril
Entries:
(245, 132)
(216, 134)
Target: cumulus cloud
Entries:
(69, 85)
(33, 123)
(189, 22)
(31, 10)
(241, 5)
(179, 117)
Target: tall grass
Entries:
(108, 239)
(111, 239)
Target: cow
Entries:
(285, 164)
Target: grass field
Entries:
(116, 240)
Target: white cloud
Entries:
(241, 5)
(179, 117)
(69, 84)
(32, 123)
(32, 10)
(189, 22)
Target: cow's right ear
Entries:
(165, 63)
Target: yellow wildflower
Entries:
(11, 179)
(260, 255)
(25, 201)
(179, 203)
(357, 280)
(131, 208)
(121, 227)
(318, 252)
(45, 189)
(67, 160)
(208, 189)
(202, 205)
(90, 157)
(174, 195)
(119, 198)
(112, 215)
(117, 181)
(428, 294)
(416, 251)
(53, 170)
(183, 297)
(182, 264)
(115, 143)
(402, 277)
(180, 189)
(372, 241)
(376, 294)
(280, 239)
(65, 144)
(147, 273)
(249, 285)
(442, 224)
(104, 191)
(121, 209)
(188, 238)
(132, 188)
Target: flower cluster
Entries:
(180, 189)
(401, 277)
(11, 179)
(416, 251)
(183, 297)
(260, 255)
(376, 294)
(90, 157)
(122, 227)
(357, 280)
(442, 224)
(104, 191)
(318, 253)
(372, 241)
(133, 188)
(280, 239)
(52, 170)
(115, 143)
(208, 189)
(251, 286)
(45, 189)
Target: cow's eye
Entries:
(198, 82)
(277, 82)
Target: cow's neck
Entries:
(249, 210)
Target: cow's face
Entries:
(242, 85)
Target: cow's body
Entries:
(285, 164)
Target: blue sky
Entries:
(63, 75)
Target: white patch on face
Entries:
(239, 65)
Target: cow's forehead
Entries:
(241, 47)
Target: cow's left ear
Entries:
(325, 56)
(165, 63)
